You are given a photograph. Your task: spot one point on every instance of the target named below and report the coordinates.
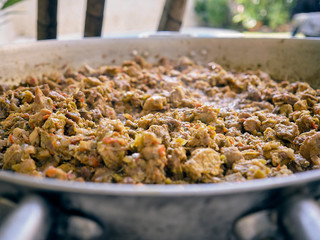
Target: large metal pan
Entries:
(202, 211)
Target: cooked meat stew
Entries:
(171, 122)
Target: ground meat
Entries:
(176, 156)
(306, 123)
(252, 169)
(162, 133)
(285, 98)
(269, 135)
(202, 137)
(34, 137)
(155, 103)
(301, 138)
(53, 172)
(253, 93)
(316, 108)
(300, 105)
(235, 177)
(232, 155)
(223, 141)
(244, 115)
(250, 154)
(103, 175)
(310, 148)
(278, 154)
(154, 154)
(12, 156)
(204, 162)
(171, 122)
(176, 96)
(206, 115)
(286, 109)
(280, 171)
(286, 131)
(299, 164)
(112, 150)
(252, 124)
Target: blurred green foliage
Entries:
(7, 3)
(214, 13)
(244, 14)
(4, 4)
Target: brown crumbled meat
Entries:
(310, 148)
(231, 155)
(286, 109)
(171, 122)
(269, 135)
(299, 164)
(280, 171)
(250, 154)
(235, 177)
(252, 169)
(53, 172)
(112, 150)
(286, 131)
(268, 123)
(28, 166)
(176, 96)
(134, 168)
(162, 133)
(102, 175)
(300, 105)
(279, 155)
(244, 115)
(301, 138)
(34, 137)
(202, 137)
(316, 108)
(306, 123)
(206, 115)
(204, 162)
(41, 101)
(253, 93)
(154, 154)
(223, 141)
(285, 98)
(176, 156)
(155, 103)
(12, 156)
(252, 124)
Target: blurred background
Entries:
(248, 18)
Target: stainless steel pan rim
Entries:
(38, 56)
(145, 205)
(174, 190)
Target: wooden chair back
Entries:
(171, 18)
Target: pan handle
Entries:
(297, 218)
(300, 218)
(29, 221)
